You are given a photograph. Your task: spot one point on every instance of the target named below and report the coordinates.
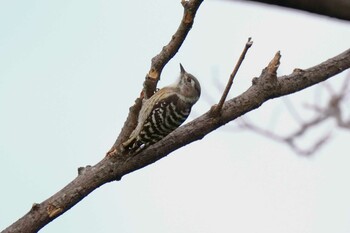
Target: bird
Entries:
(163, 112)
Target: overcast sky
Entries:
(71, 69)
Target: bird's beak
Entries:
(182, 69)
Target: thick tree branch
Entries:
(113, 168)
(335, 8)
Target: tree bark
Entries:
(267, 86)
(114, 167)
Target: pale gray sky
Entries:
(71, 69)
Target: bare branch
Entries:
(114, 167)
(289, 140)
(331, 111)
(168, 51)
(158, 63)
(333, 108)
(218, 107)
(261, 91)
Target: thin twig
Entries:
(290, 139)
(218, 107)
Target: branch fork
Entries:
(113, 167)
(216, 109)
(157, 64)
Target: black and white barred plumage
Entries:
(166, 110)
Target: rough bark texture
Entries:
(112, 168)
(333, 8)
(266, 87)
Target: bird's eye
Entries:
(189, 79)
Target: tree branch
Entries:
(114, 167)
(290, 139)
(336, 8)
(168, 51)
(216, 110)
(158, 63)
(332, 110)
